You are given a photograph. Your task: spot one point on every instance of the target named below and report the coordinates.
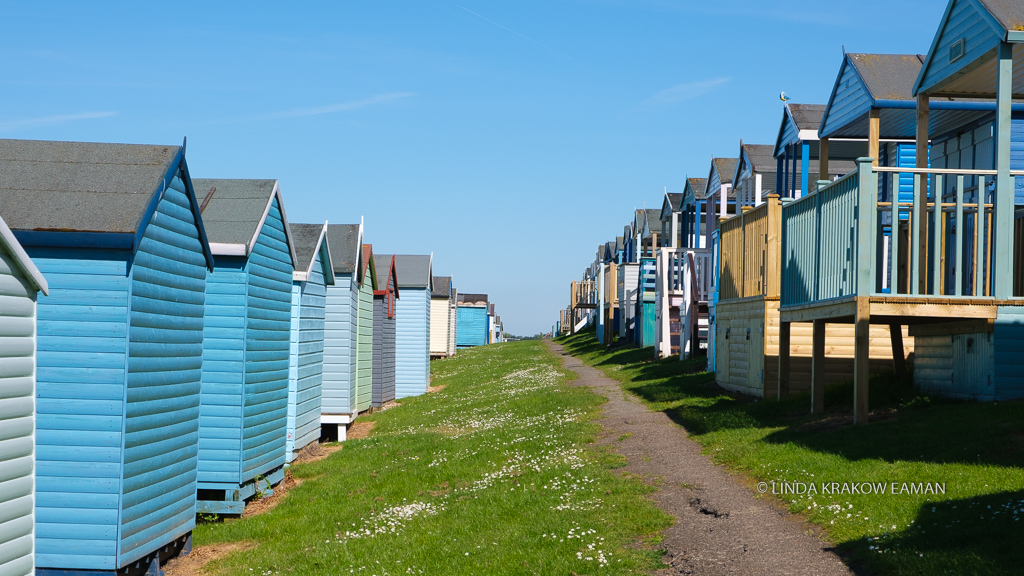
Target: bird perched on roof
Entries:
(784, 97)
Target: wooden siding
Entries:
(364, 347)
(165, 354)
(412, 335)
(440, 328)
(267, 339)
(849, 101)
(383, 354)
(80, 405)
(340, 346)
(747, 353)
(17, 423)
(1009, 363)
(957, 366)
(453, 326)
(471, 326)
(966, 22)
(220, 422)
(306, 366)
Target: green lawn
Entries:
(975, 450)
(495, 474)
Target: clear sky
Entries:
(509, 138)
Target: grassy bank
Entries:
(491, 475)
(975, 450)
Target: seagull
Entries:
(784, 97)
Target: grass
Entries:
(976, 450)
(495, 474)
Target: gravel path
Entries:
(720, 528)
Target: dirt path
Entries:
(721, 528)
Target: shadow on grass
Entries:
(978, 535)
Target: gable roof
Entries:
(309, 239)
(800, 123)
(442, 287)
(415, 271)
(669, 204)
(234, 211)
(695, 190)
(651, 215)
(473, 299)
(759, 159)
(366, 262)
(52, 186)
(385, 262)
(21, 259)
(345, 241)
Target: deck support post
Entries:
(823, 160)
(899, 362)
(874, 132)
(784, 329)
(921, 160)
(861, 359)
(1002, 204)
(818, 367)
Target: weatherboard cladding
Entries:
(412, 325)
(118, 379)
(306, 355)
(964, 20)
(364, 335)
(17, 396)
(341, 322)
(246, 348)
(471, 326)
(384, 331)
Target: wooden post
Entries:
(899, 362)
(874, 130)
(784, 329)
(773, 248)
(1002, 204)
(823, 160)
(861, 359)
(818, 367)
(921, 160)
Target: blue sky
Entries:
(508, 138)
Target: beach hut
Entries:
(312, 276)
(339, 405)
(364, 330)
(246, 342)
(491, 317)
(670, 220)
(384, 300)
(116, 231)
(452, 321)
(412, 328)
(20, 281)
(440, 325)
(472, 324)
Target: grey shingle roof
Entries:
(761, 157)
(888, 76)
(675, 200)
(807, 116)
(472, 299)
(698, 185)
(344, 241)
(235, 210)
(1009, 13)
(414, 271)
(382, 264)
(306, 238)
(442, 287)
(726, 168)
(80, 186)
(653, 215)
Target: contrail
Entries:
(523, 36)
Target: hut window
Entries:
(956, 50)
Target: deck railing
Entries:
(842, 241)
(750, 252)
(677, 263)
(583, 293)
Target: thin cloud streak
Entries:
(523, 36)
(27, 123)
(685, 91)
(340, 107)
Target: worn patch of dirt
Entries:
(432, 389)
(196, 561)
(316, 451)
(263, 505)
(359, 430)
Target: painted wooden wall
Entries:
(453, 326)
(849, 103)
(383, 353)
(306, 358)
(339, 380)
(246, 345)
(364, 347)
(471, 326)
(118, 394)
(17, 422)
(964, 22)
(412, 342)
(1008, 337)
(440, 327)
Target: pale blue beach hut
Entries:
(247, 337)
(115, 229)
(306, 366)
(338, 406)
(412, 324)
(20, 281)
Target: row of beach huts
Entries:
(168, 344)
(881, 230)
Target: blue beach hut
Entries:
(20, 281)
(306, 365)
(116, 230)
(247, 335)
(338, 408)
(412, 324)
(471, 320)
